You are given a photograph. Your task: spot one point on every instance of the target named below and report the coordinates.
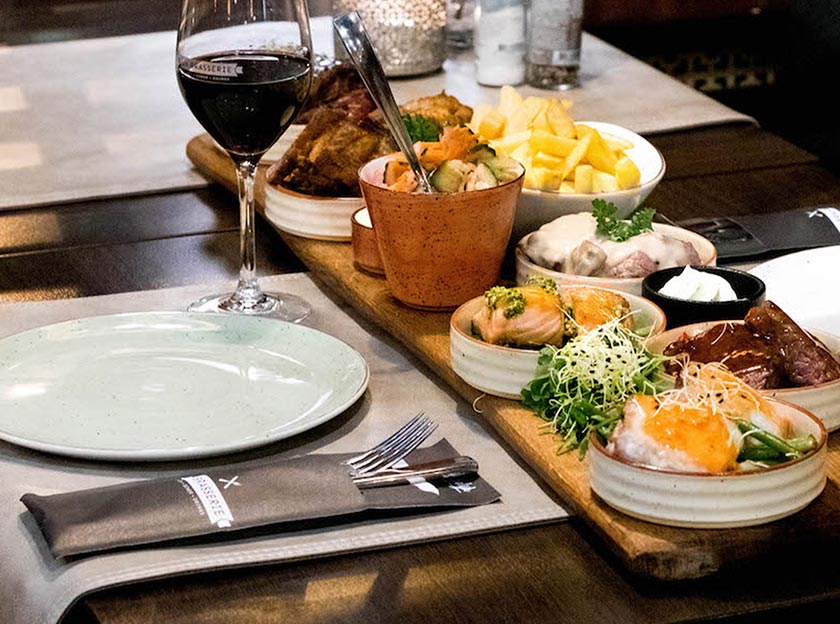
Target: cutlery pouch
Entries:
(224, 499)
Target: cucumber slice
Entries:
(448, 178)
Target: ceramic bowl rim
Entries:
(362, 180)
(314, 198)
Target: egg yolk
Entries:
(696, 431)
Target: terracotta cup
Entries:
(440, 249)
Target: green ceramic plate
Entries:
(171, 385)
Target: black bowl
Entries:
(749, 289)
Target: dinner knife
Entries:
(453, 467)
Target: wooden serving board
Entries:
(647, 549)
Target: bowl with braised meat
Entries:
(710, 453)
(602, 250)
(312, 190)
(770, 352)
(495, 339)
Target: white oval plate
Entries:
(802, 284)
(157, 386)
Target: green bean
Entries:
(759, 453)
(767, 438)
(803, 445)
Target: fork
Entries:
(394, 448)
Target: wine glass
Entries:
(244, 68)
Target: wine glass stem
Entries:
(248, 291)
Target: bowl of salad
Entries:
(443, 248)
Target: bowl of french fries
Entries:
(567, 163)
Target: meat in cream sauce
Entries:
(570, 244)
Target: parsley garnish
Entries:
(421, 128)
(619, 230)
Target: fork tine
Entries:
(406, 428)
(398, 452)
(393, 444)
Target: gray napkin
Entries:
(234, 498)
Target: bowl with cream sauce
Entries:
(571, 252)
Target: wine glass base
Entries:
(284, 307)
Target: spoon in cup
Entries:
(351, 31)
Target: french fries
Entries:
(558, 154)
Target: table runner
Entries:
(103, 117)
(36, 588)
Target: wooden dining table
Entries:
(556, 572)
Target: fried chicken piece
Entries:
(447, 110)
(329, 88)
(344, 134)
(325, 158)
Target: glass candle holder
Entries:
(409, 36)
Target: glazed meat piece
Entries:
(752, 358)
(806, 360)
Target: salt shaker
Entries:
(553, 48)
(500, 42)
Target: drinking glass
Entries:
(244, 68)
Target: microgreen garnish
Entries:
(582, 386)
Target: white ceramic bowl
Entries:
(310, 216)
(536, 208)
(633, 285)
(713, 501)
(823, 400)
(504, 371)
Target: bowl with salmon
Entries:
(495, 339)
(710, 453)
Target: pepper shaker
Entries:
(553, 47)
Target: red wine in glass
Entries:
(245, 99)
(244, 70)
